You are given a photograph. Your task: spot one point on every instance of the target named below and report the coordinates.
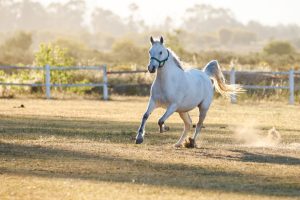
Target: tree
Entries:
(133, 8)
(30, 15)
(243, 37)
(8, 15)
(225, 35)
(68, 16)
(106, 21)
(202, 18)
(54, 55)
(279, 48)
(126, 51)
(16, 49)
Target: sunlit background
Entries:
(189, 27)
(247, 35)
(275, 13)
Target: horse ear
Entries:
(161, 39)
(151, 40)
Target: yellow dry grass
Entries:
(79, 149)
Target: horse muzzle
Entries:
(151, 69)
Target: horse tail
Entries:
(213, 70)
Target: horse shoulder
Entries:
(156, 92)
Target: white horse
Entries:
(180, 90)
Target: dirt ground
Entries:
(83, 149)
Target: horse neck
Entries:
(169, 71)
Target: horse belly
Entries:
(200, 90)
(189, 104)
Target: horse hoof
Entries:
(178, 145)
(166, 128)
(139, 140)
(190, 143)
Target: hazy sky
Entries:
(268, 12)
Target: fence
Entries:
(291, 86)
(47, 69)
(232, 74)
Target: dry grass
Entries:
(83, 150)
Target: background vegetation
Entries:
(32, 34)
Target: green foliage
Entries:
(127, 53)
(279, 48)
(53, 55)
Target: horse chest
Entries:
(164, 94)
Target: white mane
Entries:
(176, 59)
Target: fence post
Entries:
(291, 86)
(105, 85)
(232, 82)
(48, 81)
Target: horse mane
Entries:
(176, 59)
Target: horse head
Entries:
(158, 53)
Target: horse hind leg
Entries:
(187, 125)
(191, 143)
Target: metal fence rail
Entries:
(232, 74)
(47, 69)
(291, 86)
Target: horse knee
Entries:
(145, 116)
(160, 122)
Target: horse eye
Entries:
(160, 53)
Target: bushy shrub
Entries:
(16, 49)
(279, 48)
(127, 52)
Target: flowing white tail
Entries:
(213, 70)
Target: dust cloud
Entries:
(249, 134)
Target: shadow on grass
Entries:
(109, 131)
(246, 156)
(267, 158)
(105, 167)
(125, 170)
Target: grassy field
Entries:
(79, 149)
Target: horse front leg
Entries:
(170, 110)
(191, 143)
(141, 131)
